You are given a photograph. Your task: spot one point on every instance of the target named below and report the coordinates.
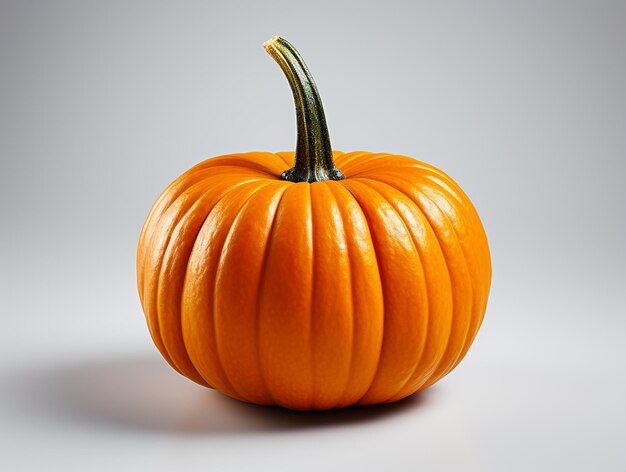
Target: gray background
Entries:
(103, 104)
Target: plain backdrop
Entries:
(102, 104)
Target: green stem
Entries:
(314, 156)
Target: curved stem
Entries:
(314, 157)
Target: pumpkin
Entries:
(316, 279)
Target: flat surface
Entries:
(523, 104)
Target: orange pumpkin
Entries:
(313, 288)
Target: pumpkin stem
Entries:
(314, 156)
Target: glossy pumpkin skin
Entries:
(314, 295)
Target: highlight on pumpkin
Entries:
(278, 279)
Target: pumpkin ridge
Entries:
(259, 202)
(445, 346)
(284, 302)
(207, 163)
(223, 193)
(451, 363)
(154, 325)
(477, 310)
(347, 158)
(218, 370)
(284, 159)
(364, 160)
(167, 197)
(160, 279)
(431, 179)
(428, 324)
(416, 166)
(213, 310)
(154, 231)
(446, 188)
(258, 298)
(473, 312)
(380, 351)
(178, 187)
(429, 380)
(368, 183)
(246, 160)
(341, 398)
(457, 358)
(364, 335)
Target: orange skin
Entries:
(313, 295)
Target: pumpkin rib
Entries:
(262, 272)
(474, 269)
(373, 162)
(446, 345)
(457, 359)
(477, 309)
(258, 298)
(365, 160)
(378, 161)
(227, 188)
(160, 278)
(207, 372)
(425, 314)
(393, 367)
(437, 181)
(415, 168)
(421, 175)
(151, 303)
(152, 311)
(473, 308)
(285, 307)
(380, 350)
(362, 160)
(232, 168)
(385, 334)
(414, 384)
(451, 363)
(214, 288)
(345, 159)
(367, 315)
(332, 309)
(236, 292)
(341, 398)
(157, 209)
(222, 191)
(287, 158)
(259, 161)
(177, 189)
(236, 287)
(420, 257)
(166, 199)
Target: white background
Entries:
(103, 104)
